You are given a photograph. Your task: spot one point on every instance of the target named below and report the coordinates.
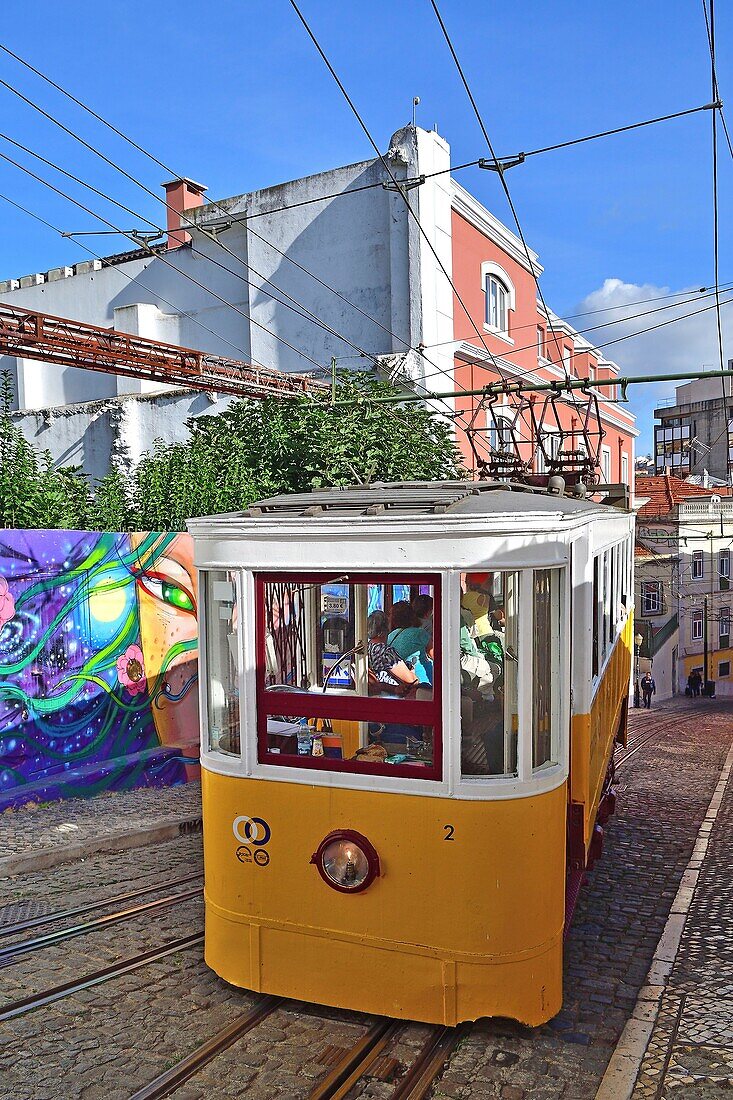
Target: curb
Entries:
(622, 1071)
(116, 842)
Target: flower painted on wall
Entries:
(131, 669)
(7, 603)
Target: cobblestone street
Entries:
(109, 1040)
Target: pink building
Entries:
(496, 283)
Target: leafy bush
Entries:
(254, 449)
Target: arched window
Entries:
(499, 297)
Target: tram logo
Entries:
(251, 830)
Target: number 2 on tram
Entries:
(401, 791)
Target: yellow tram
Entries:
(410, 695)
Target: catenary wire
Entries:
(617, 321)
(710, 27)
(156, 160)
(692, 295)
(159, 256)
(138, 282)
(501, 174)
(388, 170)
(296, 306)
(209, 202)
(212, 237)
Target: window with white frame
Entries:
(696, 626)
(698, 569)
(606, 463)
(651, 598)
(624, 469)
(540, 342)
(497, 304)
(724, 569)
(724, 626)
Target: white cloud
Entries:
(688, 344)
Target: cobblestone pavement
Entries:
(664, 793)
(690, 1053)
(49, 833)
(103, 1043)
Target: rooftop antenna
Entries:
(415, 104)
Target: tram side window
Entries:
(222, 649)
(596, 614)
(546, 665)
(489, 655)
(348, 672)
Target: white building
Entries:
(327, 266)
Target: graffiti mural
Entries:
(98, 663)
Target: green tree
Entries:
(254, 449)
(258, 448)
(33, 492)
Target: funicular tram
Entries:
(410, 696)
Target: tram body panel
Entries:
(593, 736)
(477, 838)
(404, 947)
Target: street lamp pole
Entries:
(637, 688)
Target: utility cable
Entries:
(710, 27)
(392, 177)
(501, 171)
(159, 255)
(193, 224)
(618, 321)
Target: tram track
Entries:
(90, 907)
(354, 1064)
(660, 726)
(13, 1009)
(37, 943)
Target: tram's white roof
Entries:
(408, 499)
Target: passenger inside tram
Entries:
(351, 639)
(488, 645)
(412, 640)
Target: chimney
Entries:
(180, 195)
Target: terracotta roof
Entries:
(666, 491)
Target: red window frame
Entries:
(356, 708)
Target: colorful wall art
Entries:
(98, 663)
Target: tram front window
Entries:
(222, 649)
(489, 656)
(346, 671)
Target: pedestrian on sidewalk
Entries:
(694, 682)
(648, 688)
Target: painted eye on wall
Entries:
(160, 588)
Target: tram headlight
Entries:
(346, 861)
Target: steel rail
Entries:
(429, 1064)
(63, 914)
(172, 1078)
(18, 1008)
(12, 950)
(356, 1061)
(639, 744)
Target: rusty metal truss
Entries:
(30, 335)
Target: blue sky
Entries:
(234, 95)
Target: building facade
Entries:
(682, 576)
(694, 437)
(328, 267)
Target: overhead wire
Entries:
(710, 27)
(194, 225)
(618, 321)
(501, 172)
(159, 256)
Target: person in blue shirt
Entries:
(412, 641)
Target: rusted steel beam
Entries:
(31, 335)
